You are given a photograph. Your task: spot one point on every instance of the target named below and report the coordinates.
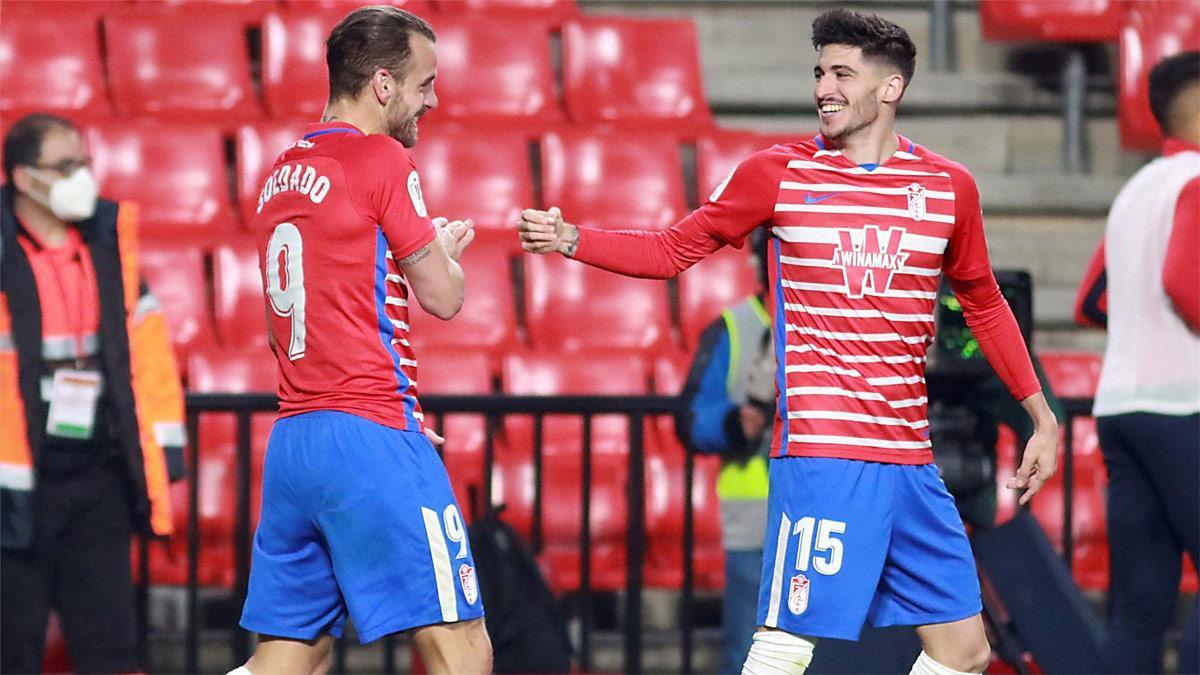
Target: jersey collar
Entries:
(904, 150)
(1173, 146)
(323, 128)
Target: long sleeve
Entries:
(986, 311)
(745, 201)
(1091, 301)
(1181, 272)
(653, 255)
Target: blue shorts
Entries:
(849, 541)
(357, 518)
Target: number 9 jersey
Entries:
(335, 213)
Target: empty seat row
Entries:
(567, 306)
(628, 180)
(1146, 30)
(149, 63)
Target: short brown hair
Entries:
(370, 38)
(880, 39)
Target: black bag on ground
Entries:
(527, 628)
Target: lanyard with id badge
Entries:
(73, 401)
(75, 392)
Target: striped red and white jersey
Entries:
(856, 260)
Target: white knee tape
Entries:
(240, 670)
(925, 665)
(773, 652)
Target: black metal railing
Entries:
(639, 410)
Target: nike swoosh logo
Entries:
(810, 199)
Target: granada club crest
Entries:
(916, 201)
(798, 594)
(466, 577)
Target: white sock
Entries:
(775, 651)
(240, 670)
(925, 665)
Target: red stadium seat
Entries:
(488, 318)
(634, 71)
(50, 61)
(257, 146)
(230, 371)
(1072, 374)
(176, 173)
(486, 76)
(233, 370)
(157, 66)
(664, 497)
(482, 176)
(629, 180)
(295, 75)
(664, 517)
(55, 658)
(719, 151)
(249, 11)
(53, 11)
(216, 371)
(1059, 21)
(452, 370)
(552, 11)
(422, 8)
(576, 307)
(712, 285)
(240, 308)
(1152, 31)
(1089, 536)
(175, 274)
(604, 373)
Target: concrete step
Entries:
(757, 56)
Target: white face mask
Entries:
(72, 198)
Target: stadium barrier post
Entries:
(636, 490)
(689, 551)
(192, 649)
(241, 542)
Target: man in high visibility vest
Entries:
(91, 408)
(729, 395)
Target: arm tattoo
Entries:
(416, 256)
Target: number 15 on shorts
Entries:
(818, 548)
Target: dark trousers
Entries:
(1153, 466)
(78, 566)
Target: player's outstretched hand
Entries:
(455, 235)
(1037, 464)
(546, 232)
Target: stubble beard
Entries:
(403, 127)
(853, 126)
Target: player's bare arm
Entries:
(1041, 452)
(433, 271)
(547, 232)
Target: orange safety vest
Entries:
(153, 377)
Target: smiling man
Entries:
(863, 223)
(358, 518)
